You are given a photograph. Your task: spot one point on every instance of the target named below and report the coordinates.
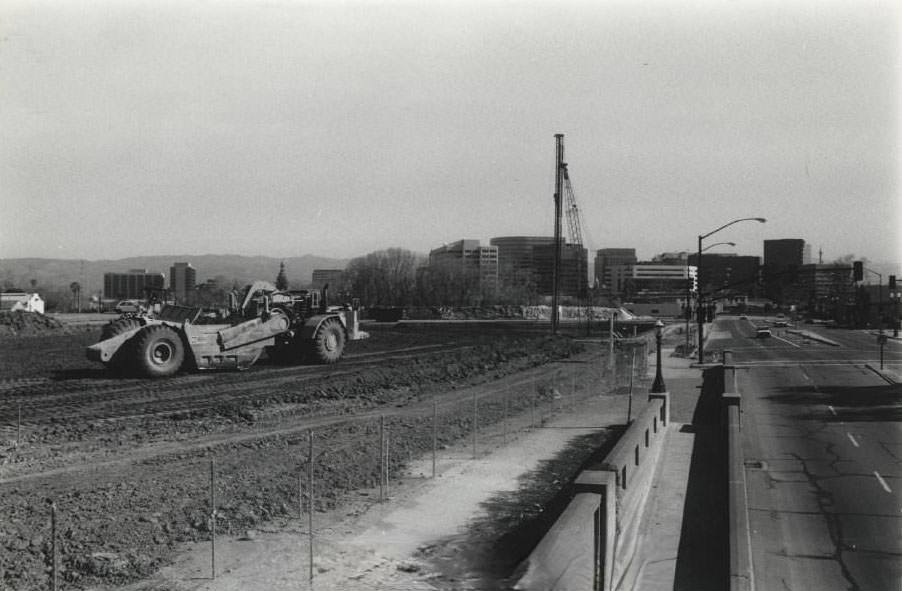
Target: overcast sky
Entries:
(339, 128)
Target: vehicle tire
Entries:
(159, 351)
(329, 341)
(118, 326)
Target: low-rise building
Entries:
(12, 301)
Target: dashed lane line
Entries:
(852, 439)
(833, 410)
(882, 482)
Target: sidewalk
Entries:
(679, 541)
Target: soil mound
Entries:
(20, 323)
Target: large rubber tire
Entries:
(329, 341)
(118, 326)
(159, 352)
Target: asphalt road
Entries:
(823, 444)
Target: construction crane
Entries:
(573, 223)
(574, 226)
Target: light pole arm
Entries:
(728, 224)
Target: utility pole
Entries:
(558, 190)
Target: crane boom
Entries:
(573, 221)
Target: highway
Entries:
(823, 442)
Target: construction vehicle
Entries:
(290, 325)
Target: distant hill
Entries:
(57, 274)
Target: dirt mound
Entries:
(19, 323)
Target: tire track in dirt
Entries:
(44, 400)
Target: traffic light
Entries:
(858, 271)
(892, 283)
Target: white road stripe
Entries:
(788, 342)
(833, 410)
(852, 439)
(882, 482)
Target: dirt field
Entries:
(127, 462)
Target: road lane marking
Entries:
(852, 439)
(882, 482)
(788, 342)
(833, 410)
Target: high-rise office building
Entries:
(131, 285)
(782, 260)
(606, 259)
(183, 283)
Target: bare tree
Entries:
(384, 277)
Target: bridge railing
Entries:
(741, 573)
(594, 541)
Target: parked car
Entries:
(127, 306)
(763, 333)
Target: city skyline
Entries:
(337, 130)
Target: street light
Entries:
(658, 386)
(689, 288)
(701, 319)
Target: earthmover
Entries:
(291, 325)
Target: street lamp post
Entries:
(689, 287)
(658, 386)
(701, 318)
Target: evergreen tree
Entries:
(282, 280)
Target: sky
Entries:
(339, 128)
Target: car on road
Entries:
(763, 333)
(128, 306)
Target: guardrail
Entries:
(593, 543)
(741, 572)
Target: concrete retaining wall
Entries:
(741, 575)
(593, 545)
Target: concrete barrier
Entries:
(813, 336)
(610, 498)
(741, 573)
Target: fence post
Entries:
(212, 521)
(387, 464)
(381, 458)
(434, 433)
(629, 408)
(310, 503)
(504, 418)
(475, 423)
(54, 581)
(19, 425)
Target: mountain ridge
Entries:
(56, 273)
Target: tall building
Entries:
(606, 259)
(515, 253)
(183, 283)
(782, 259)
(131, 285)
(574, 270)
(727, 274)
(651, 281)
(469, 255)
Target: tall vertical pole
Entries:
(381, 458)
(212, 519)
(558, 191)
(688, 304)
(701, 314)
(54, 577)
(611, 342)
(434, 433)
(310, 505)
